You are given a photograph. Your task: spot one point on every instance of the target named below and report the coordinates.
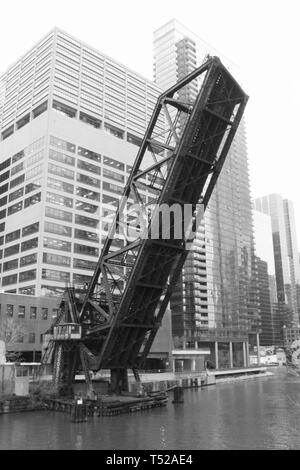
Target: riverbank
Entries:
(153, 387)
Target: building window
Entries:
(15, 208)
(81, 279)
(20, 338)
(87, 221)
(58, 229)
(84, 264)
(28, 290)
(12, 264)
(32, 200)
(58, 214)
(64, 109)
(34, 172)
(40, 109)
(16, 169)
(44, 313)
(3, 201)
(134, 140)
(62, 144)
(96, 157)
(11, 250)
(5, 164)
(27, 275)
(9, 310)
(29, 244)
(16, 194)
(113, 163)
(52, 291)
(21, 311)
(114, 131)
(90, 120)
(88, 167)
(112, 201)
(113, 175)
(86, 250)
(88, 180)
(85, 235)
(30, 229)
(87, 193)
(54, 312)
(35, 158)
(16, 181)
(58, 276)
(58, 260)
(56, 244)
(84, 206)
(17, 156)
(33, 186)
(4, 188)
(60, 171)
(7, 280)
(12, 236)
(29, 259)
(61, 157)
(5, 176)
(31, 338)
(60, 185)
(112, 187)
(33, 311)
(59, 200)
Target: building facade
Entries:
(71, 120)
(268, 302)
(216, 300)
(287, 267)
(24, 319)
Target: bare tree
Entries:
(11, 331)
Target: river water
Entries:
(260, 413)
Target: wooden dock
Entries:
(109, 405)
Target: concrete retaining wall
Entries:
(7, 379)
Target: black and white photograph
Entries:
(149, 228)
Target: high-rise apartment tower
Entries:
(216, 299)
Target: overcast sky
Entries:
(260, 36)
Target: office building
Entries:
(216, 301)
(285, 254)
(268, 304)
(71, 120)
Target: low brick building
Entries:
(34, 315)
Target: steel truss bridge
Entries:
(117, 316)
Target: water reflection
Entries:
(255, 414)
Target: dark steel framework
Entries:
(123, 305)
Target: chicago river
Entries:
(260, 413)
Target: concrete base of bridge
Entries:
(119, 380)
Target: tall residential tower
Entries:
(216, 299)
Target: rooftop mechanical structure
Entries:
(112, 323)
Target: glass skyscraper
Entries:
(216, 300)
(285, 256)
(271, 329)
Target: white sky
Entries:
(260, 36)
